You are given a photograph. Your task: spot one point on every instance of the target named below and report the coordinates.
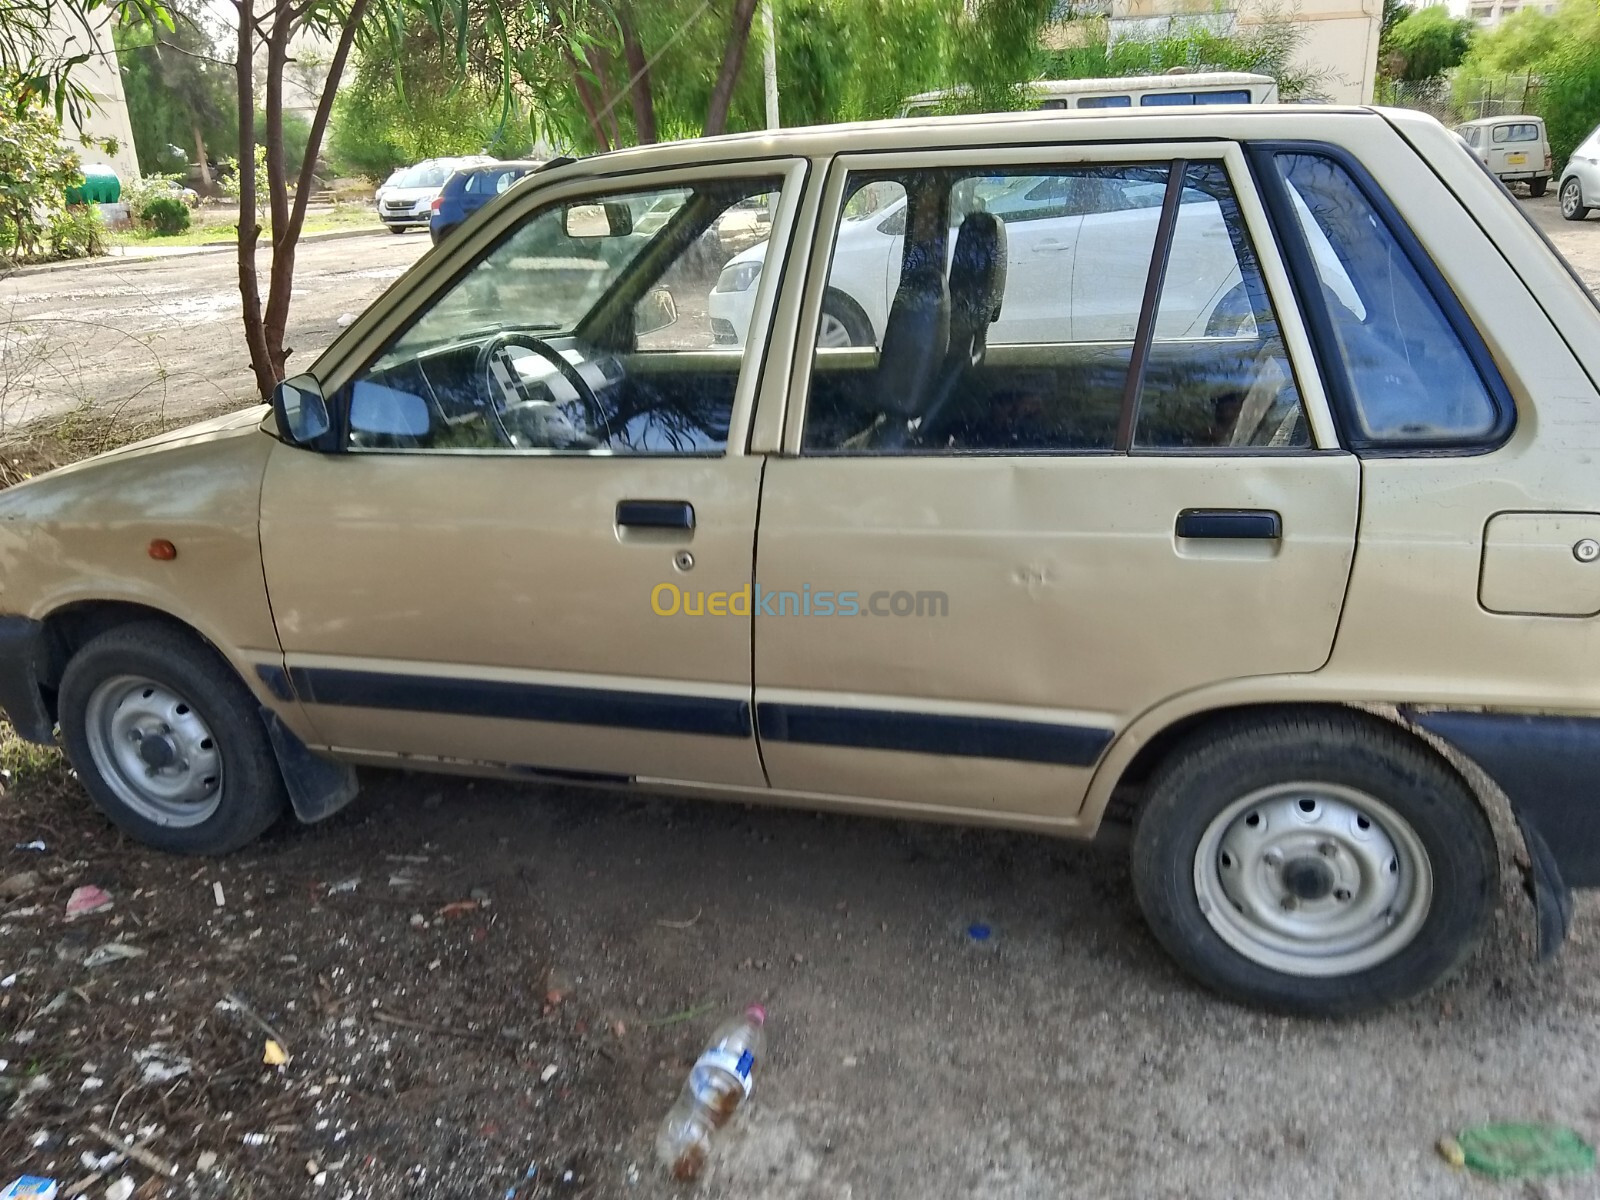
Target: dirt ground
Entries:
(478, 981)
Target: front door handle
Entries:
(655, 514)
(1230, 524)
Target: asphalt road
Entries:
(1065, 1057)
(165, 335)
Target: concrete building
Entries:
(1489, 13)
(105, 116)
(1341, 36)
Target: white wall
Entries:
(107, 113)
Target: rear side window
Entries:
(1158, 99)
(1105, 102)
(1526, 132)
(1413, 381)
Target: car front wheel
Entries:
(1316, 865)
(168, 742)
(1572, 205)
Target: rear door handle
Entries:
(1230, 523)
(655, 514)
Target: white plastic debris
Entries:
(549, 1073)
(120, 1190)
(216, 893)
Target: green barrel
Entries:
(100, 186)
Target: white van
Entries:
(1132, 91)
(1514, 148)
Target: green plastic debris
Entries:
(1515, 1151)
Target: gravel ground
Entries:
(1065, 1057)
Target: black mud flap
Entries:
(318, 787)
(1552, 899)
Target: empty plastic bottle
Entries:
(717, 1085)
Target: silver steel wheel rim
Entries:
(154, 750)
(1313, 879)
(1569, 198)
(832, 333)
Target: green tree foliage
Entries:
(1569, 101)
(178, 88)
(1268, 48)
(1518, 43)
(412, 102)
(1553, 59)
(1426, 43)
(43, 41)
(36, 170)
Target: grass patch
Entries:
(219, 226)
(27, 769)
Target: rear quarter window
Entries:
(1418, 375)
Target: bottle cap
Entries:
(756, 1013)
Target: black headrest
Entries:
(915, 339)
(977, 275)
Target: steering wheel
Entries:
(498, 371)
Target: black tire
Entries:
(397, 229)
(1354, 754)
(849, 315)
(1538, 187)
(1572, 206)
(250, 796)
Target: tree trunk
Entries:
(599, 61)
(277, 170)
(249, 232)
(281, 286)
(206, 185)
(580, 82)
(728, 74)
(644, 105)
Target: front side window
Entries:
(1005, 313)
(1412, 379)
(586, 330)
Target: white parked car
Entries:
(1580, 179)
(1514, 148)
(1094, 230)
(405, 201)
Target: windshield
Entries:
(423, 175)
(546, 276)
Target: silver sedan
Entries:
(1580, 179)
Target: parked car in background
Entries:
(1178, 87)
(1515, 149)
(1300, 600)
(1580, 179)
(405, 201)
(469, 189)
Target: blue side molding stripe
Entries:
(932, 733)
(711, 716)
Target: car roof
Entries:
(981, 131)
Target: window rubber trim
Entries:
(1296, 251)
(1144, 334)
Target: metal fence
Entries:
(1455, 100)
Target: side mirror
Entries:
(611, 219)
(301, 412)
(655, 312)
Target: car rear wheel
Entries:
(1537, 187)
(1317, 865)
(168, 742)
(1572, 205)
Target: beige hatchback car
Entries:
(1253, 520)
